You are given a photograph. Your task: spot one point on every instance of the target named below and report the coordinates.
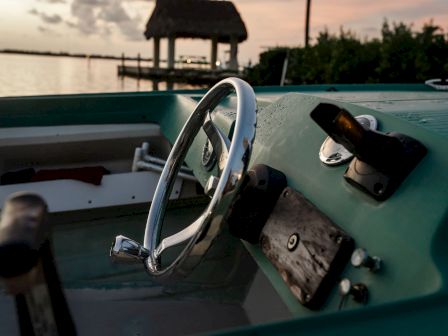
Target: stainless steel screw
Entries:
(293, 241)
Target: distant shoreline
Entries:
(66, 54)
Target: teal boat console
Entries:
(358, 247)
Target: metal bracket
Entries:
(144, 161)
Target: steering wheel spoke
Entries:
(179, 237)
(220, 142)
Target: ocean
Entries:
(25, 75)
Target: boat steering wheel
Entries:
(232, 158)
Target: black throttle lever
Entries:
(382, 160)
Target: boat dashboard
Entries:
(395, 230)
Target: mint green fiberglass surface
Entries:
(408, 231)
(81, 241)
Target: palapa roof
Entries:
(196, 19)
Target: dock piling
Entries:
(139, 65)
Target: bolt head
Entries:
(359, 257)
(293, 241)
(345, 287)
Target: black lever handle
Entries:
(382, 160)
(377, 149)
(28, 269)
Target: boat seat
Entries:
(20, 136)
(56, 147)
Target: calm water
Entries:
(23, 75)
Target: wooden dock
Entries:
(182, 75)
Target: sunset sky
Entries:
(114, 26)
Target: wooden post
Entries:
(214, 53)
(121, 67)
(233, 65)
(156, 53)
(307, 23)
(171, 52)
(138, 65)
(285, 68)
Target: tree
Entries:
(401, 55)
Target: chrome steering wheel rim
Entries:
(233, 166)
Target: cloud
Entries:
(71, 24)
(86, 18)
(48, 31)
(50, 19)
(42, 29)
(115, 14)
(53, 1)
(100, 16)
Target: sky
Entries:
(116, 26)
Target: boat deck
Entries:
(122, 300)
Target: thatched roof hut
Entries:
(196, 19)
(218, 21)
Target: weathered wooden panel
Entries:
(306, 247)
